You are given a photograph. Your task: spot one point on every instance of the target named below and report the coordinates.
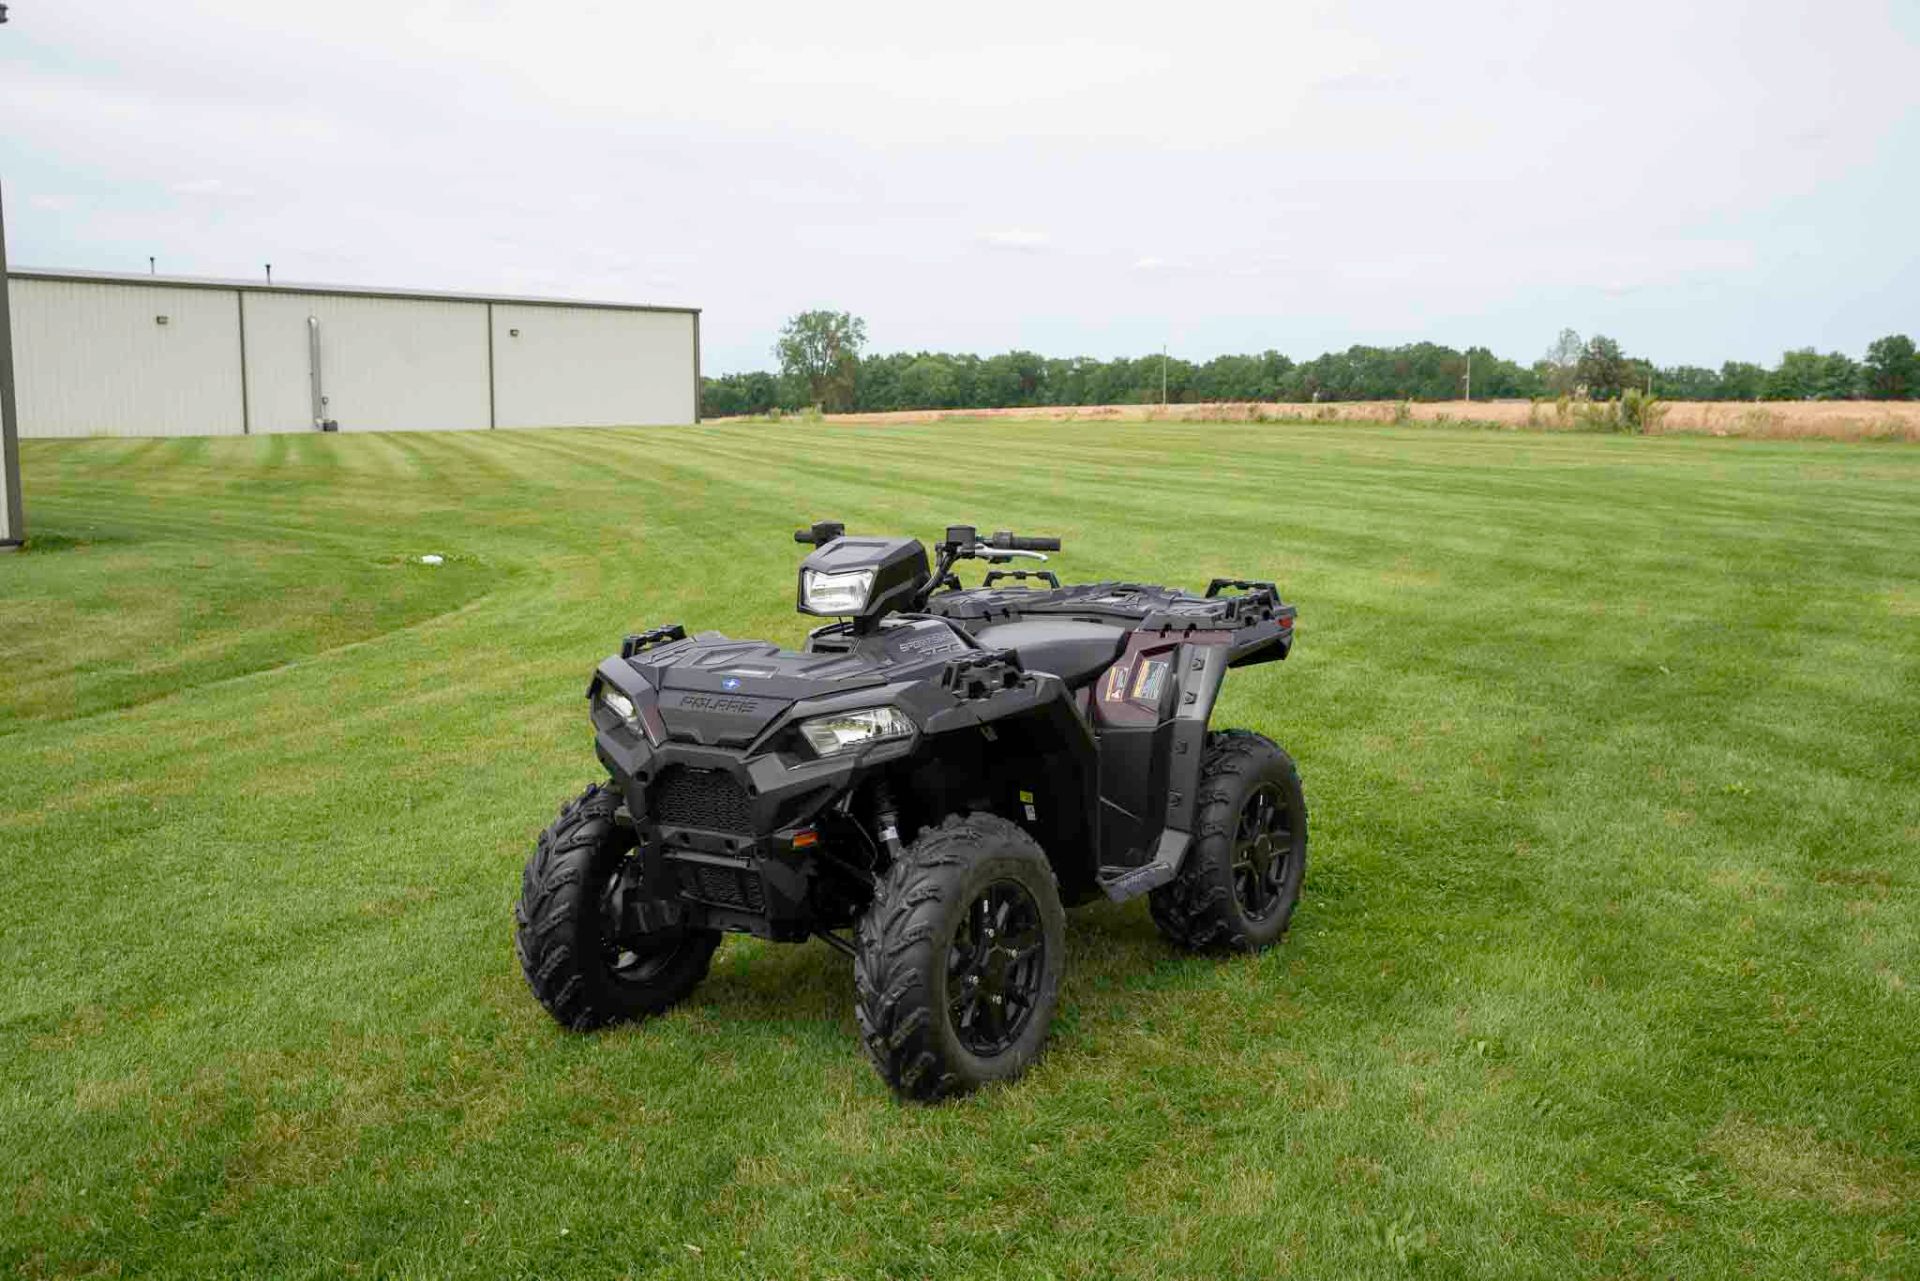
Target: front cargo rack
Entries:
(640, 642)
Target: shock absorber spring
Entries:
(886, 820)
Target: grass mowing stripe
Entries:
(1605, 966)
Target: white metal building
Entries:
(13, 521)
(100, 354)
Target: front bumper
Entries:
(717, 826)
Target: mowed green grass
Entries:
(1606, 966)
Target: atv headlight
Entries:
(617, 703)
(843, 731)
(840, 595)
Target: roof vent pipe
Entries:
(320, 420)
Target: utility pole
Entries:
(1163, 375)
(13, 517)
(1469, 374)
(150, 267)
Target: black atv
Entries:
(938, 773)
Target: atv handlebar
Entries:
(960, 539)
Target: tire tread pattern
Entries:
(1197, 909)
(548, 919)
(895, 950)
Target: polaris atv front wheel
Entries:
(1238, 887)
(958, 961)
(593, 952)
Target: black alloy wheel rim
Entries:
(995, 968)
(1262, 853)
(626, 963)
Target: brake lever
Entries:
(1000, 555)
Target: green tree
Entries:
(822, 365)
(1559, 369)
(877, 386)
(1640, 375)
(1497, 379)
(1795, 377)
(1687, 382)
(732, 394)
(1261, 377)
(1840, 377)
(1892, 368)
(929, 383)
(1742, 380)
(820, 351)
(1012, 378)
(1805, 374)
(1602, 369)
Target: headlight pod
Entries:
(622, 705)
(839, 595)
(844, 731)
(617, 703)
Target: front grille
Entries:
(724, 885)
(705, 798)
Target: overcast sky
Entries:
(1703, 181)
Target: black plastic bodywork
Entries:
(743, 822)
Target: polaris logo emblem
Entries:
(716, 703)
(731, 682)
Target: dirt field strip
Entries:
(1765, 420)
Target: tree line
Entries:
(822, 363)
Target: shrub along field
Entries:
(1607, 963)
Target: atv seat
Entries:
(1074, 651)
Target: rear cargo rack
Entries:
(1242, 585)
(1135, 605)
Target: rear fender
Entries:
(1152, 708)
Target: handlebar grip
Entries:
(803, 536)
(1013, 542)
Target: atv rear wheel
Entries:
(575, 937)
(1240, 882)
(958, 961)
